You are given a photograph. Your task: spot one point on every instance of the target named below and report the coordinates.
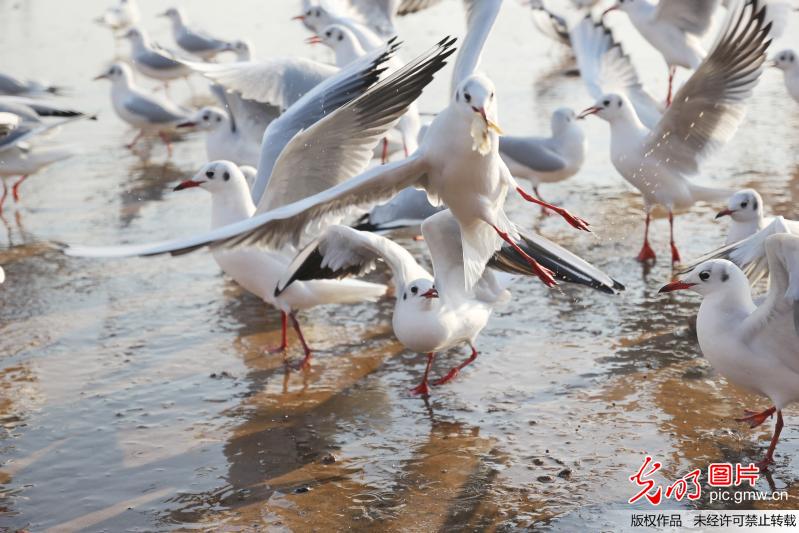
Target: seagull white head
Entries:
(134, 35)
(242, 49)
(208, 118)
(174, 14)
(745, 205)
(217, 177)
(563, 120)
(785, 60)
(315, 18)
(610, 107)
(713, 276)
(475, 99)
(419, 293)
(116, 73)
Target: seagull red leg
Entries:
(543, 273)
(305, 364)
(384, 156)
(754, 419)
(423, 388)
(15, 187)
(538, 195)
(672, 72)
(135, 140)
(5, 193)
(454, 372)
(574, 221)
(284, 341)
(646, 253)
(769, 459)
(675, 254)
(168, 144)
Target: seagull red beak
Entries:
(491, 125)
(676, 285)
(608, 10)
(313, 40)
(298, 17)
(187, 124)
(432, 293)
(725, 213)
(188, 184)
(590, 111)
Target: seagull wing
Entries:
(480, 18)
(691, 16)
(606, 68)
(707, 110)
(532, 153)
(153, 111)
(408, 7)
(342, 251)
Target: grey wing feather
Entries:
(411, 205)
(157, 61)
(192, 41)
(152, 111)
(11, 85)
(692, 16)
(532, 153)
(407, 7)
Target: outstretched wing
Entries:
(342, 251)
(691, 16)
(480, 18)
(606, 68)
(407, 7)
(248, 117)
(341, 145)
(707, 110)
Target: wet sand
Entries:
(136, 394)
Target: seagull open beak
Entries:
(608, 10)
(313, 40)
(770, 63)
(676, 285)
(491, 125)
(432, 293)
(590, 111)
(725, 213)
(298, 17)
(188, 184)
(100, 77)
(187, 124)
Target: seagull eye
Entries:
(467, 97)
(704, 276)
(210, 174)
(743, 204)
(414, 290)
(205, 117)
(606, 103)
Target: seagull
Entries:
(753, 346)
(121, 16)
(242, 49)
(9, 85)
(745, 208)
(194, 42)
(547, 159)
(31, 109)
(296, 174)
(147, 113)
(787, 63)
(26, 161)
(235, 131)
(258, 270)
(433, 312)
(549, 23)
(318, 17)
(410, 207)
(673, 27)
(705, 114)
(151, 62)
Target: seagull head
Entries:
(475, 99)
(173, 13)
(314, 18)
(242, 49)
(134, 35)
(621, 5)
(713, 276)
(563, 120)
(208, 118)
(785, 60)
(610, 107)
(420, 292)
(116, 72)
(334, 37)
(745, 205)
(217, 177)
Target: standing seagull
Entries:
(673, 27)
(787, 62)
(546, 159)
(258, 270)
(154, 63)
(192, 41)
(705, 114)
(149, 114)
(432, 313)
(753, 346)
(121, 16)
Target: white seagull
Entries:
(432, 313)
(547, 159)
(153, 63)
(145, 112)
(192, 41)
(121, 16)
(12, 86)
(705, 114)
(673, 27)
(24, 162)
(787, 62)
(753, 346)
(258, 270)
(745, 208)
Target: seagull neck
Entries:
(727, 308)
(348, 51)
(231, 206)
(626, 128)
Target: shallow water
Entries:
(135, 394)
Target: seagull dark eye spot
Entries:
(754, 205)
(618, 104)
(492, 96)
(318, 13)
(205, 117)
(328, 34)
(219, 119)
(457, 96)
(704, 276)
(210, 174)
(226, 175)
(724, 276)
(340, 37)
(467, 97)
(405, 296)
(414, 290)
